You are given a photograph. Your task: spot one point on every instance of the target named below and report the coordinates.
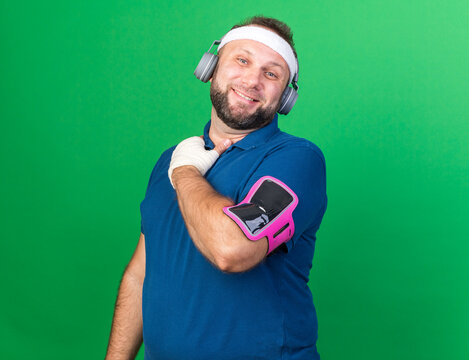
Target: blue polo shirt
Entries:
(192, 310)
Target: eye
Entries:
(271, 75)
(243, 61)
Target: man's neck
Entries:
(220, 131)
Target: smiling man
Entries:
(229, 220)
(254, 101)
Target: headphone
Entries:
(206, 67)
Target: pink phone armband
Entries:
(266, 211)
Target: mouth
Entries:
(245, 97)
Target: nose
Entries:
(252, 78)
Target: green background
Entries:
(93, 91)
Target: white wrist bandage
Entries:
(192, 152)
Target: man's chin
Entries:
(241, 112)
(245, 121)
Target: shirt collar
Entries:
(251, 140)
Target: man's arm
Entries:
(218, 237)
(126, 332)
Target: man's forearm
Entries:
(126, 333)
(218, 238)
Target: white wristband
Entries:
(192, 152)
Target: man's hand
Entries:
(191, 152)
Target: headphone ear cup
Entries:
(289, 97)
(206, 66)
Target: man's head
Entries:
(251, 75)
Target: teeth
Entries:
(243, 96)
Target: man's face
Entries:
(247, 84)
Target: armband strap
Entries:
(266, 211)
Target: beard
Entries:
(260, 118)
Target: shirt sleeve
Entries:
(159, 166)
(146, 192)
(302, 169)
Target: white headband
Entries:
(266, 37)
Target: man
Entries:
(211, 288)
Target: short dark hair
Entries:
(275, 25)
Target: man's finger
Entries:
(222, 146)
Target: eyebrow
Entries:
(273, 63)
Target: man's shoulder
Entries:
(286, 142)
(165, 156)
(162, 162)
